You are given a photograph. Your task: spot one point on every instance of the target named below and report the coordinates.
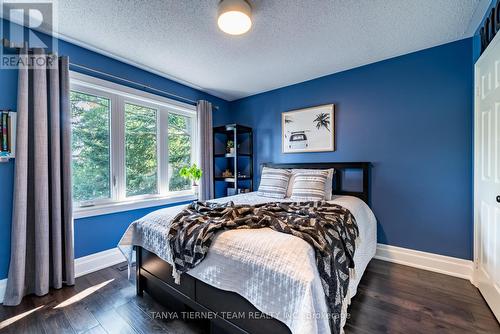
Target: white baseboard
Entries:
(3, 286)
(85, 265)
(428, 261)
(94, 262)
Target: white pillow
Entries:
(309, 186)
(274, 182)
(328, 184)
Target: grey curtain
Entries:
(205, 135)
(42, 253)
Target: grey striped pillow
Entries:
(274, 182)
(309, 186)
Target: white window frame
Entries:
(119, 95)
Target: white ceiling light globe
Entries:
(234, 16)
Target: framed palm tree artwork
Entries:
(309, 130)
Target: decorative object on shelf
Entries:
(194, 174)
(227, 173)
(230, 147)
(7, 135)
(489, 27)
(309, 130)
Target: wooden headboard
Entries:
(340, 168)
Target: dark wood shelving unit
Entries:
(242, 136)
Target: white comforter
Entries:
(276, 272)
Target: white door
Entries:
(487, 176)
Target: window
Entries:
(91, 154)
(140, 150)
(128, 146)
(180, 148)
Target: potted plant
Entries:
(230, 147)
(192, 173)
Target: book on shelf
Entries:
(5, 116)
(12, 134)
(7, 133)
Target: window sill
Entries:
(110, 208)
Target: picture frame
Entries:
(308, 130)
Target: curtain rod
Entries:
(144, 86)
(7, 44)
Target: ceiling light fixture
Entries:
(234, 16)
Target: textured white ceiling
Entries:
(291, 40)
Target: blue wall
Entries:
(8, 98)
(412, 117)
(95, 234)
(98, 233)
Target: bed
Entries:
(252, 281)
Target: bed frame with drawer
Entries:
(223, 309)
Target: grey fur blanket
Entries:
(329, 228)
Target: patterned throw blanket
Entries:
(329, 228)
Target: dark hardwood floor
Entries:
(391, 299)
